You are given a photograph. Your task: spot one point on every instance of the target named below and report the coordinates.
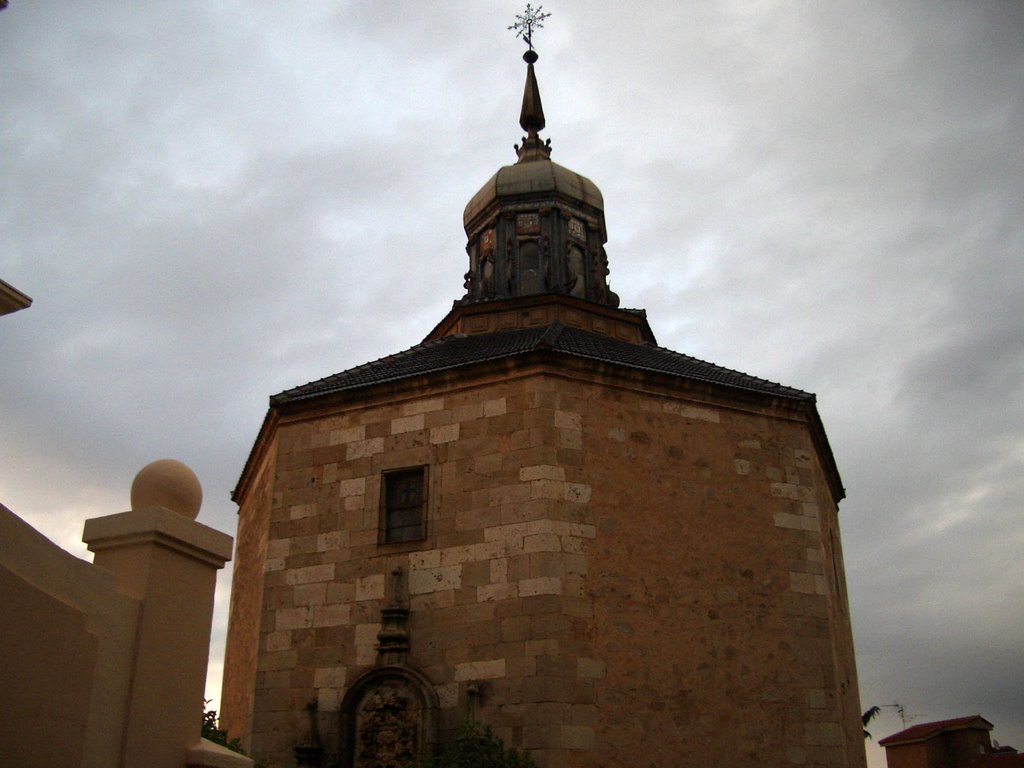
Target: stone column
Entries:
(160, 556)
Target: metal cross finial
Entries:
(528, 21)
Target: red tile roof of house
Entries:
(924, 731)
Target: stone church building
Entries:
(611, 553)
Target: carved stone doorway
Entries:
(389, 720)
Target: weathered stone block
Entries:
(370, 587)
(491, 669)
(405, 424)
(310, 574)
(545, 585)
(434, 579)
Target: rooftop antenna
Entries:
(901, 712)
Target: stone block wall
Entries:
(611, 576)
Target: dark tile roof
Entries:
(459, 351)
(923, 731)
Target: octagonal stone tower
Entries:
(611, 553)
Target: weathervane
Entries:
(527, 22)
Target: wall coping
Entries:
(162, 527)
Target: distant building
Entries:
(963, 742)
(613, 554)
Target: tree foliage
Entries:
(477, 747)
(866, 718)
(212, 733)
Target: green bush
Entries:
(212, 733)
(477, 747)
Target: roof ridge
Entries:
(457, 351)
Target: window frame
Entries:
(388, 527)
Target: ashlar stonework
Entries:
(629, 557)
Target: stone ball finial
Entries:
(170, 484)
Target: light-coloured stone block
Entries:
(578, 493)
(568, 420)
(542, 542)
(496, 407)
(405, 424)
(329, 542)
(542, 472)
(366, 643)
(447, 433)
(618, 434)
(370, 587)
(802, 458)
(423, 406)
(328, 700)
(786, 520)
(802, 582)
(292, 618)
(544, 585)
(432, 601)
(347, 435)
(331, 615)
(785, 490)
(491, 669)
(299, 511)
(353, 487)
(491, 592)
(273, 564)
(810, 524)
(472, 553)
(330, 677)
(278, 548)
(820, 585)
(310, 574)
(570, 438)
(310, 594)
(447, 695)
(360, 449)
(499, 570)
(426, 580)
(691, 412)
(547, 489)
(742, 466)
(430, 558)
(280, 640)
(583, 530)
(468, 412)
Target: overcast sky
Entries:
(213, 202)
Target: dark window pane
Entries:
(404, 505)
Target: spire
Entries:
(536, 228)
(531, 117)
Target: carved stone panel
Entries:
(528, 224)
(389, 720)
(388, 724)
